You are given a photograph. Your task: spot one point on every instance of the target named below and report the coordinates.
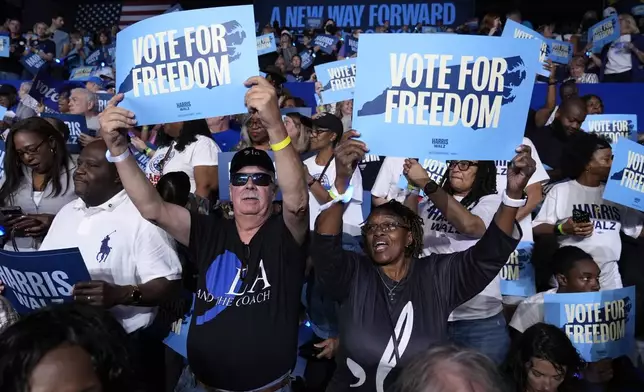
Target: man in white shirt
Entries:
(576, 272)
(85, 103)
(132, 263)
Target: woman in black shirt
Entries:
(392, 304)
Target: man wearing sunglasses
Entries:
(244, 328)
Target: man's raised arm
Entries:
(172, 218)
(261, 100)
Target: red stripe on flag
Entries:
(135, 11)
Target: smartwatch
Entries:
(430, 188)
(135, 296)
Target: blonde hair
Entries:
(630, 22)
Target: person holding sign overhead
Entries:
(37, 181)
(467, 204)
(621, 61)
(578, 215)
(250, 267)
(390, 298)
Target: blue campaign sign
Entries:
(46, 89)
(600, 325)
(517, 275)
(516, 30)
(224, 174)
(445, 96)
(604, 32)
(435, 169)
(103, 100)
(560, 51)
(306, 112)
(365, 14)
(141, 158)
(77, 124)
(37, 279)
(82, 74)
(307, 59)
(5, 45)
(350, 45)
(3, 110)
(173, 67)
(326, 42)
(266, 44)
(638, 10)
(94, 58)
(313, 23)
(625, 183)
(177, 338)
(338, 80)
(32, 63)
(612, 126)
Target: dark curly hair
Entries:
(484, 183)
(25, 343)
(188, 134)
(588, 97)
(13, 165)
(578, 151)
(548, 343)
(409, 218)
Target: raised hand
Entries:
(520, 169)
(114, 121)
(348, 154)
(261, 100)
(415, 173)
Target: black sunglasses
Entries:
(259, 179)
(462, 165)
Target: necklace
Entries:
(391, 294)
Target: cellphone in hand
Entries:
(7, 213)
(579, 216)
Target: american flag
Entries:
(96, 16)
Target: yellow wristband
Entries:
(281, 145)
(560, 228)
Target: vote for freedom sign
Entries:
(600, 325)
(625, 183)
(173, 67)
(446, 96)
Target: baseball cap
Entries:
(251, 156)
(608, 11)
(8, 89)
(325, 121)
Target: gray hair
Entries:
(431, 371)
(26, 86)
(91, 97)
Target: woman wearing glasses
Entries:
(37, 179)
(470, 189)
(394, 303)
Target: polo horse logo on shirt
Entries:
(105, 250)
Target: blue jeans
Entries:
(489, 336)
(188, 383)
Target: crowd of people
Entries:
(404, 295)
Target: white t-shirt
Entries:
(118, 247)
(619, 57)
(352, 217)
(441, 237)
(202, 152)
(530, 311)
(539, 175)
(386, 184)
(604, 245)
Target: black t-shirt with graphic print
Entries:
(244, 329)
(422, 301)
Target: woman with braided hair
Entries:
(468, 192)
(394, 303)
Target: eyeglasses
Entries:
(31, 150)
(462, 165)
(259, 179)
(385, 227)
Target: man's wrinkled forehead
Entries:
(253, 169)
